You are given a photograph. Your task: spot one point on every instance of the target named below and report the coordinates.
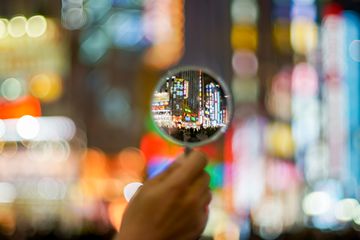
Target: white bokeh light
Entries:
(2, 128)
(74, 18)
(36, 26)
(356, 215)
(7, 192)
(130, 190)
(17, 26)
(345, 209)
(354, 50)
(3, 27)
(317, 203)
(11, 89)
(28, 127)
(54, 128)
(51, 189)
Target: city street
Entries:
(190, 106)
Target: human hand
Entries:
(172, 205)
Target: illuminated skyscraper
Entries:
(201, 99)
(195, 99)
(213, 105)
(177, 88)
(160, 108)
(193, 82)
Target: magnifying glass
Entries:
(191, 106)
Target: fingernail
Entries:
(130, 190)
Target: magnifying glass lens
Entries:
(191, 106)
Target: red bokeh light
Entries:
(27, 105)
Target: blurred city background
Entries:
(76, 79)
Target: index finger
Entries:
(189, 168)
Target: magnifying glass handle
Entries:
(187, 150)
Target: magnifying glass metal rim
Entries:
(229, 105)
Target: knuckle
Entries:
(191, 202)
(207, 178)
(177, 185)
